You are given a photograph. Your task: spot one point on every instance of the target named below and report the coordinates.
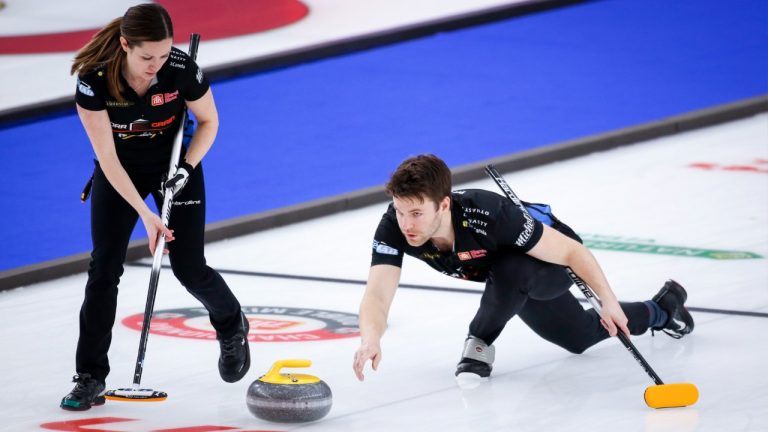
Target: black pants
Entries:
(112, 221)
(538, 292)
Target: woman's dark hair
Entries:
(421, 176)
(141, 23)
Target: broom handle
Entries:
(165, 215)
(585, 289)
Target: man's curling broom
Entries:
(657, 396)
(135, 393)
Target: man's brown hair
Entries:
(421, 176)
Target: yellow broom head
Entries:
(671, 395)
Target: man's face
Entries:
(419, 220)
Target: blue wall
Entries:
(342, 124)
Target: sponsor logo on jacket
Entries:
(163, 98)
(473, 254)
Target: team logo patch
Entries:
(84, 88)
(157, 99)
(384, 249)
(268, 324)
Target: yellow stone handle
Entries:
(275, 377)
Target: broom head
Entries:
(136, 395)
(671, 395)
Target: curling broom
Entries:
(657, 396)
(135, 393)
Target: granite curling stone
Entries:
(289, 398)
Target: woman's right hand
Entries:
(155, 226)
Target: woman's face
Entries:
(146, 58)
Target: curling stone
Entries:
(289, 398)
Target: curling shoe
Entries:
(477, 358)
(235, 358)
(88, 392)
(671, 298)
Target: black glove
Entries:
(179, 179)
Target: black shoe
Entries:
(235, 358)
(477, 358)
(468, 365)
(671, 298)
(87, 392)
